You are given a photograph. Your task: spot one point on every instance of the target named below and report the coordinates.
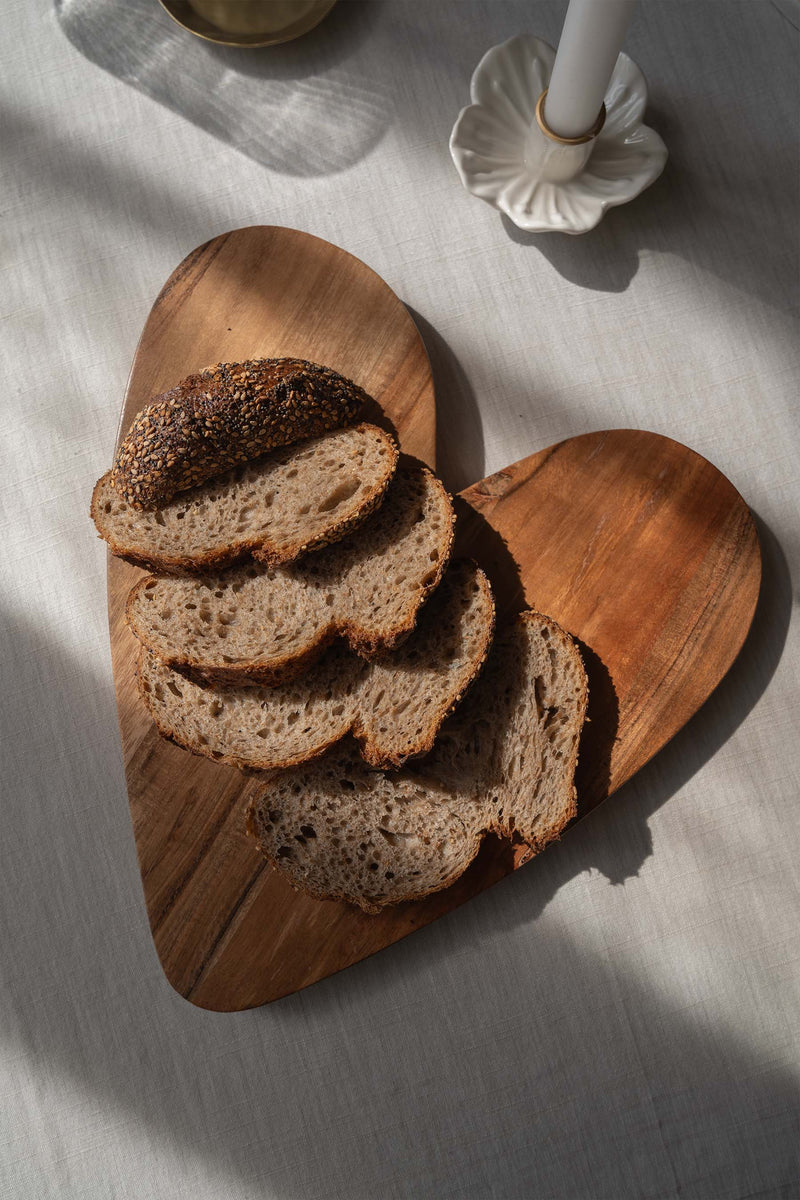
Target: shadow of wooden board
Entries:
(641, 548)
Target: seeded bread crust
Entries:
(503, 763)
(132, 533)
(269, 624)
(393, 708)
(226, 415)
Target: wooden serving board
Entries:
(637, 545)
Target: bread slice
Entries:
(504, 763)
(223, 416)
(290, 501)
(268, 624)
(394, 708)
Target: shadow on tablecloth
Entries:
(297, 108)
(439, 1067)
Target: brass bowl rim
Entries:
(312, 20)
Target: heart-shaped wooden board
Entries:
(638, 546)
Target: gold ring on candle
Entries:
(565, 141)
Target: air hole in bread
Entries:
(344, 491)
(159, 518)
(173, 687)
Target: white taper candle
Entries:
(590, 43)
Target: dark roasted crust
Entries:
(235, 552)
(227, 415)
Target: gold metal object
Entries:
(565, 141)
(184, 15)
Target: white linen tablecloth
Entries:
(619, 1019)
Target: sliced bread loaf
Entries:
(225, 415)
(394, 708)
(267, 624)
(503, 763)
(290, 501)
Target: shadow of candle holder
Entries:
(296, 107)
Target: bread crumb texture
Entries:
(266, 624)
(503, 764)
(394, 707)
(282, 505)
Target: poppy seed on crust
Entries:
(224, 416)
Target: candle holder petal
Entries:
(504, 158)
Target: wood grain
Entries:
(637, 545)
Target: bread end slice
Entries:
(290, 500)
(225, 415)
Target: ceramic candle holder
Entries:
(506, 155)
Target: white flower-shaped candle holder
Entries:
(541, 182)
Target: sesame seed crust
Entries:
(224, 416)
